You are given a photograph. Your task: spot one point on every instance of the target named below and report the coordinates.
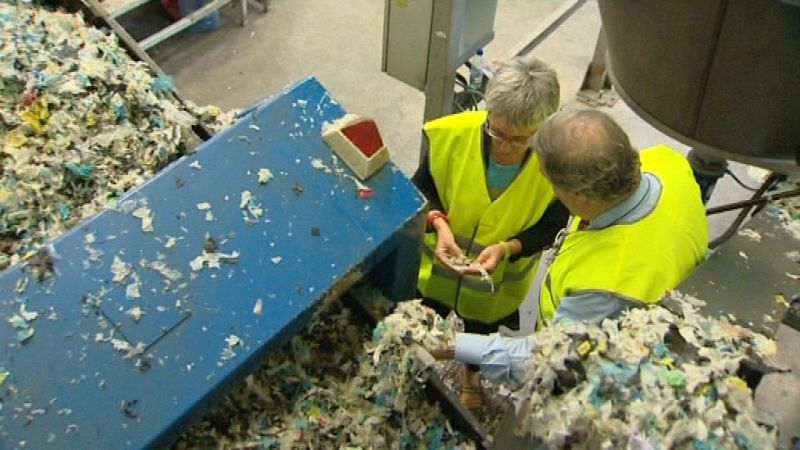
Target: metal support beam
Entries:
(439, 78)
(457, 32)
(262, 5)
(596, 78)
(182, 24)
(540, 33)
(596, 89)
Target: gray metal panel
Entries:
(450, 20)
(478, 27)
(425, 42)
(407, 31)
(441, 77)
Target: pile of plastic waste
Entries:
(652, 379)
(81, 122)
(335, 386)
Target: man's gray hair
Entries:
(586, 151)
(524, 90)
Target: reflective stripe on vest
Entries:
(637, 261)
(457, 168)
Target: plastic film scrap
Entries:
(334, 387)
(651, 379)
(81, 122)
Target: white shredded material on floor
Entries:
(787, 210)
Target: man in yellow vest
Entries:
(491, 210)
(638, 229)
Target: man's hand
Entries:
(504, 331)
(488, 259)
(443, 352)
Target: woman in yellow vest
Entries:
(491, 209)
(638, 229)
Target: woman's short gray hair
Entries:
(524, 90)
(586, 151)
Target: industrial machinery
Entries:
(721, 76)
(134, 380)
(425, 42)
(724, 78)
(217, 295)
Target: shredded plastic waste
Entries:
(787, 210)
(22, 323)
(264, 175)
(213, 260)
(330, 389)
(651, 379)
(81, 123)
(362, 190)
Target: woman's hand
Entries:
(446, 247)
(488, 259)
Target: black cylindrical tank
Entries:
(723, 76)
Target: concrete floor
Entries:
(341, 43)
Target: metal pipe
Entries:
(182, 24)
(752, 202)
(768, 183)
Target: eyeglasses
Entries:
(518, 141)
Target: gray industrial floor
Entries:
(341, 42)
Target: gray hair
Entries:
(524, 90)
(586, 151)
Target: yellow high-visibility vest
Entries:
(457, 167)
(638, 261)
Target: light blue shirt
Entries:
(500, 177)
(502, 358)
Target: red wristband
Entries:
(433, 215)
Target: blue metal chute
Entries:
(315, 234)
